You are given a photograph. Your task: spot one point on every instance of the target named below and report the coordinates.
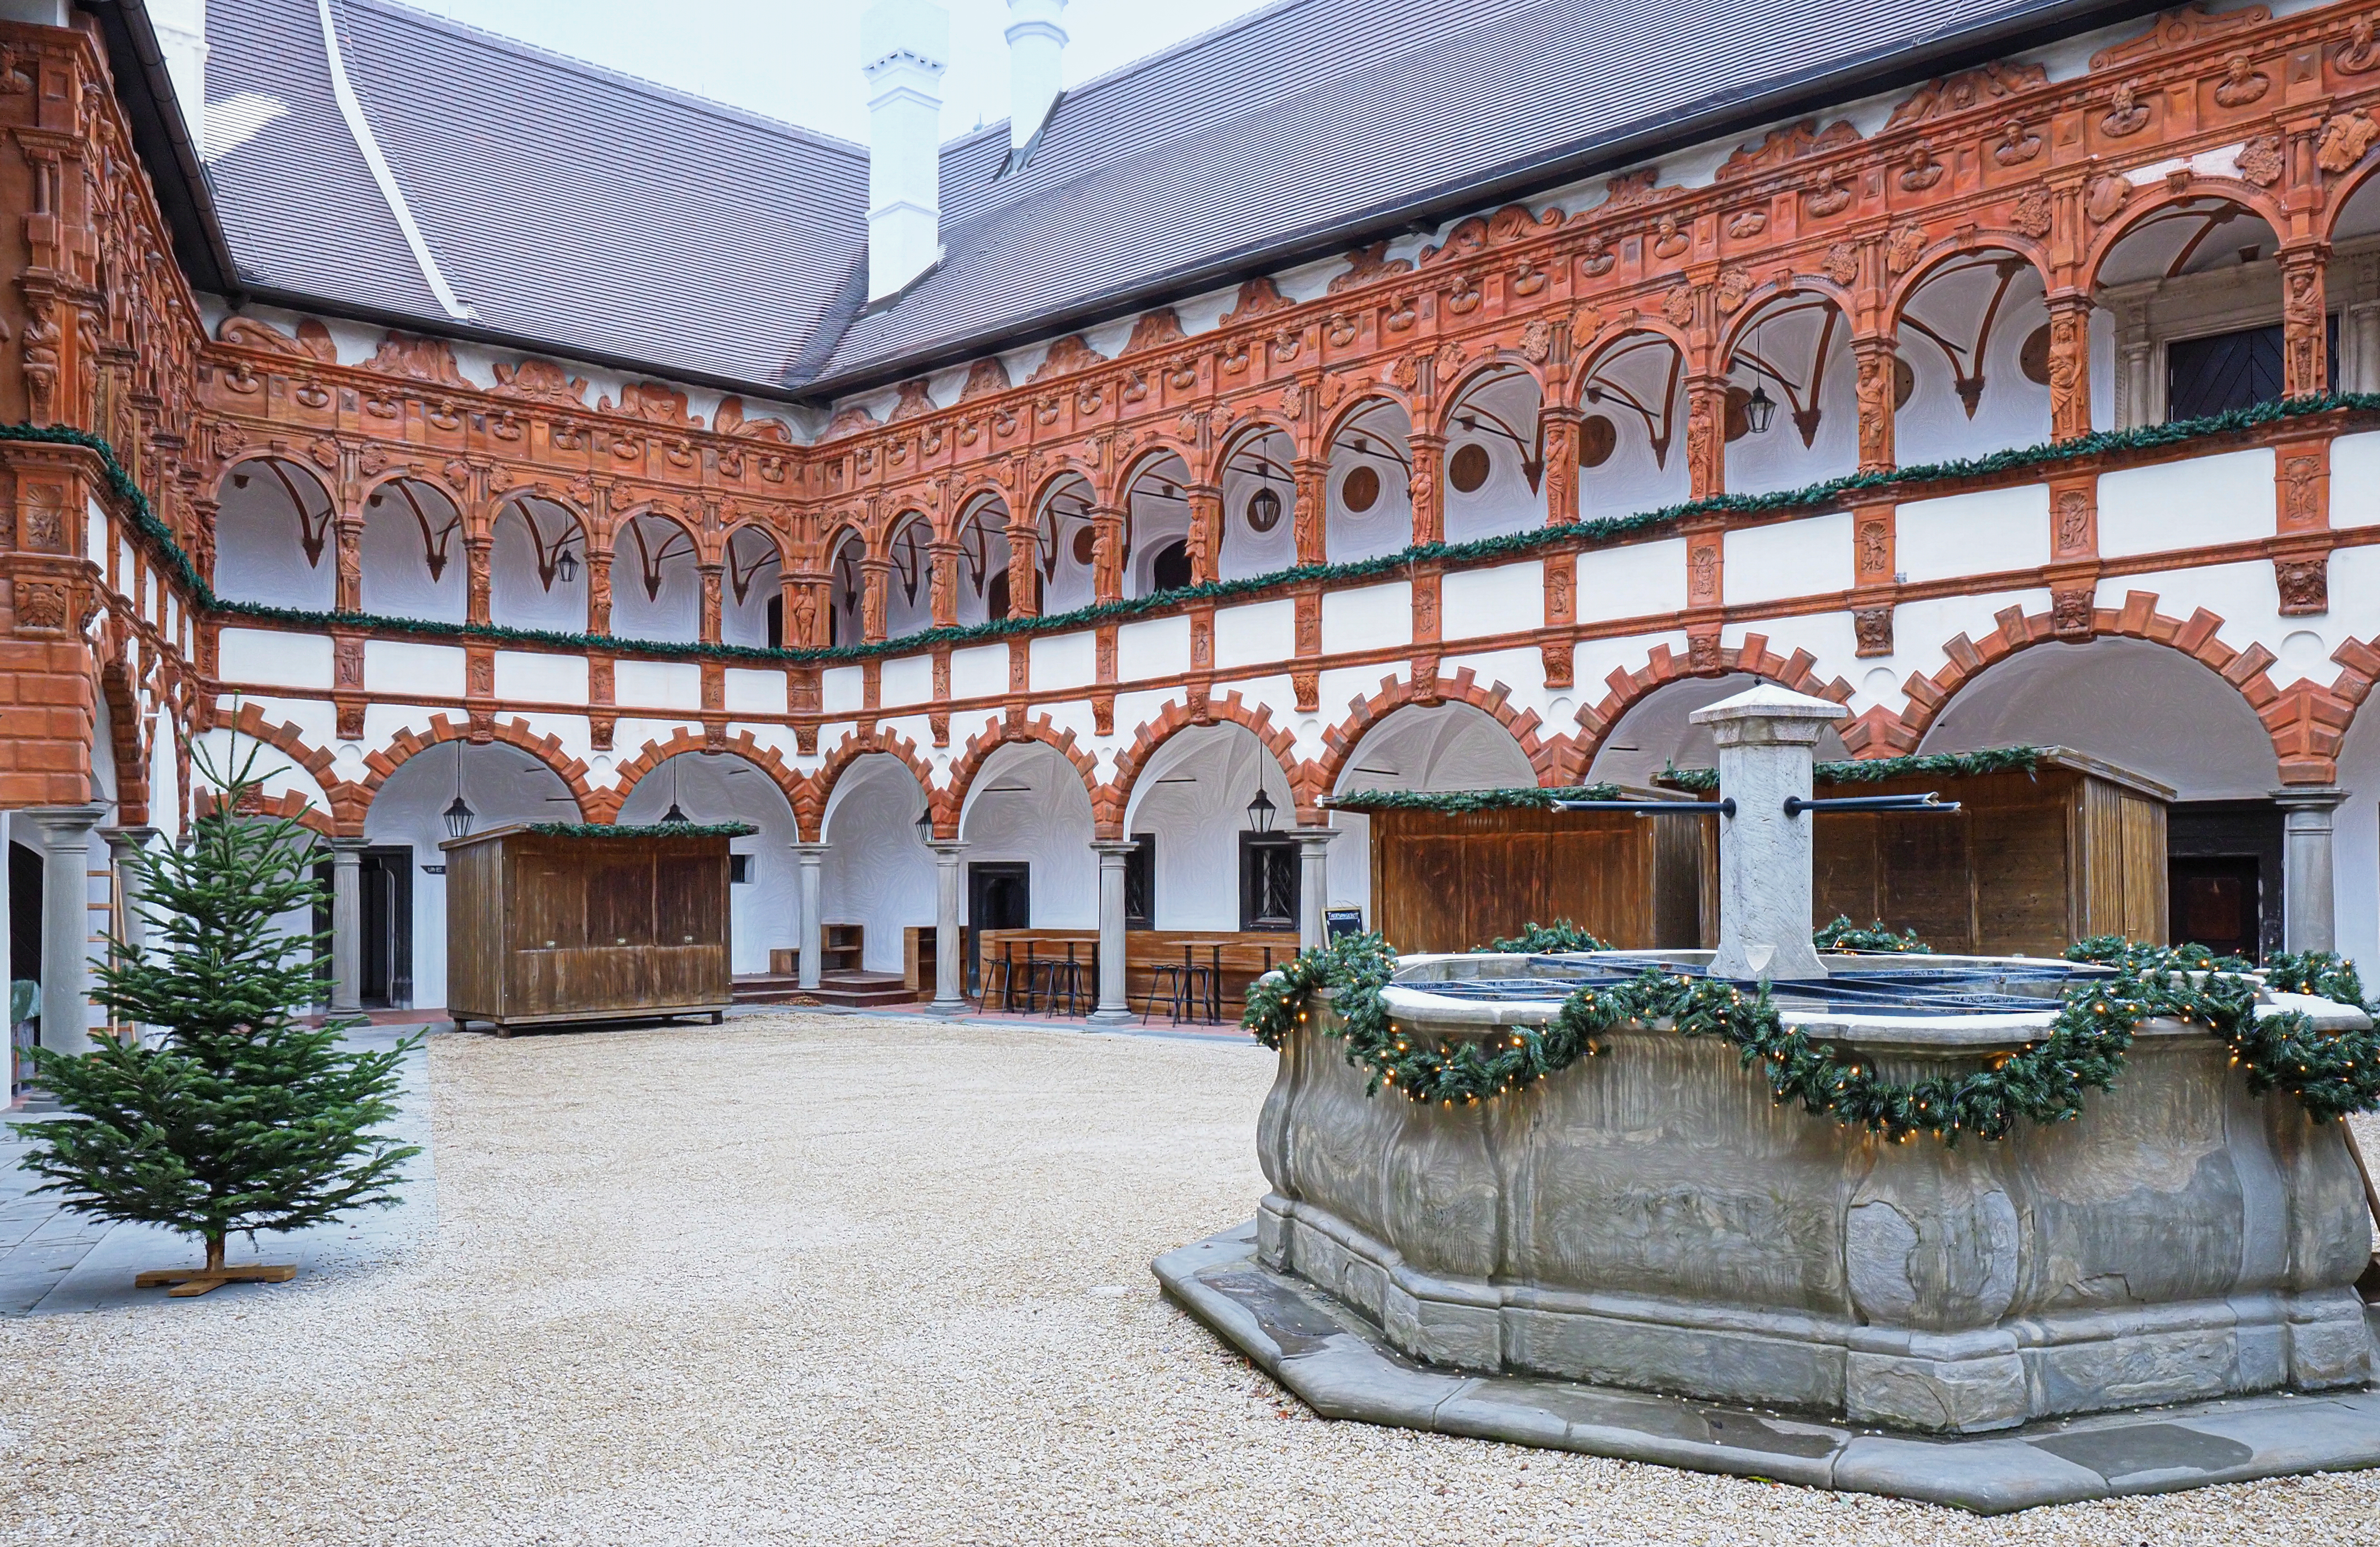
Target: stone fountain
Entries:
(1644, 1255)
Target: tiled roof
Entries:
(592, 213)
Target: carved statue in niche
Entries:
(2300, 484)
(938, 588)
(1876, 371)
(1875, 553)
(1702, 574)
(1667, 240)
(1560, 474)
(351, 569)
(2066, 348)
(2017, 144)
(801, 617)
(1923, 171)
(872, 606)
(1558, 597)
(2302, 331)
(1702, 439)
(2073, 522)
(1197, 545)
(2243, 83)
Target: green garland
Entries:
(1870, 771)
(1458, 801)
(2126, 954)
(643, 830)
(1594, 533)
(1545, 939)
(2324, 974)
(1876, 940)
(2331, 1073)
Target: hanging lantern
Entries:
(1261, 812)
(459, 816)
(1759, 409)
(676, 817)
(926, 825)
(565, 564)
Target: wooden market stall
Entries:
(548, 924)
(2049, 845)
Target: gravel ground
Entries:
(821, 1280)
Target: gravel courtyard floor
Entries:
(810, 1279)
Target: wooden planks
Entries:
(1452, 881)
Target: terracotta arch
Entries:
(1624, 690)
(1374, 394)
(1966, 244)
(280, 459)
(900, 522)
(1761, 296)
(1496, 363)
(509, 502)
(2305, 723)
(1156, 450)
(1107, 813)
(1607, 341)
(810, 809)
(124, 727)
(1549, 756)
(2342, 189)
(606, 805)
(422, 476)
(288, 805)
(776, 544)
(348, 802)
(409, 744)
(2145, 202)
(1177, 716)
(1239, 434)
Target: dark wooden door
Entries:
(1000, 897)
(2217, 904)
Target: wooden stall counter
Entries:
(1193, 974)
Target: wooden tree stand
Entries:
(187, 1281)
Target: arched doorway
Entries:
(763, 904)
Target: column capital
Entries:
(947, 850)
(2310, 798)
(1118, 847)
(135, 837)
(1315, 838)
(348, 850)
(64, 825)
(810, 854)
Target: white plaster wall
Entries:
(397, 580)
(1933, 425)
(538, 678)
(904, 679)
(1367, 618)
(1636, 478)
(415, 670)
(2227, 497)
(763, 912)
(2355, 480)
(878, 874)
(1061, 661)
(842, 689)
(1634, 580)
(1245, 551)
(259, 546)
(751, 690)
(1809, 557)
(746, 622)
(1507, 599)
(268, 657)
(1029, 803)
(2355, 841)
(1259, 634)
(1193, 797)
(517, 598)
(1777, 459)
(1981, 533)
(658, 684)
(1348, 534)
(672, 612)
(1155, 648)
(1505, 502)
(981, 671)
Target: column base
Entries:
(950, 1008)
(1108, 1018)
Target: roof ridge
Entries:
(521, 46)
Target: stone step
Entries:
(847, 990)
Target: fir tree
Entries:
(235, 1116)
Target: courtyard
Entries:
(824, 1278)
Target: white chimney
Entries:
(906, 45)
(1035, 45)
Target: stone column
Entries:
(1313, 883)
(949, 935)
(2309, 921)
(65, 921)
(1765, 738)
(813, 926)
(346, 924)
(1114, 1006)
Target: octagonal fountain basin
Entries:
(1653, 1219)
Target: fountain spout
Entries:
(1767, 738)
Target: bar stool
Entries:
(1001, 970)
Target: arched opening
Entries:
(847, 589)
(656, 582)
(763, 910)
(414, 563)
(1028, 821)
(1440, 747)
(1631, 403)
(273, 542)
(2352, 287)
(1972, 375)
(1260, 507)
(878, 873)
(1068, 540)
(537, 569)
(983, 560)
(1157, 527)
(752, 601)
(1794, 353)
(1200, 865)
(1369, 508)
(909, 587)
(406, 823)
(1495, 457)
(1657, 733)
(2193, 292)
(2153, 711)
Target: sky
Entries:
(798, 60)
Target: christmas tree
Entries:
(232, 1116)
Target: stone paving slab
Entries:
(54, 1260)
(1341, 1368)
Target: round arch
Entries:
(273, 538)
(538, 574)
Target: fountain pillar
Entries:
(1765, 738)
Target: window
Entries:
(1170, 571)
(1140, 882)
(739, 868)
(2226, 371)
(777, 622)
(1268, 882)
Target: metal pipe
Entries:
(1653, 808)
(1795, 805)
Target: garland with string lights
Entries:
(1460, 801)
(643, 830)
(2332, 1073)
(1871, 771)
(1593, 532)
(1545, 938)
(1843, 935)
